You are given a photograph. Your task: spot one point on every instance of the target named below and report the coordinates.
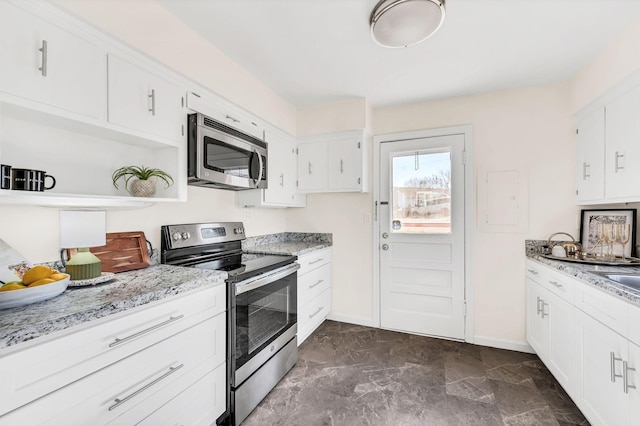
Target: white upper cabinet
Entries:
(44, 63)
(336, 162)
(141, 100)
(622, 163)
(281, 174)
(590, 151)
(312, 167)
(608, 152)
(226, 113)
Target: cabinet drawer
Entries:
(560, 285)
(36, 371)
(535, 271)
(131, 389)
(311, 284)
(312, 314)
(199, 405)
(603, 307)
(313, 260)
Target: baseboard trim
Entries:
(511, 345)
(367, 322)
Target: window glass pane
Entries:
(421, 192)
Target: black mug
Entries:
(5, 176)
(30, 180)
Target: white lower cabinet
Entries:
(587, 339)
(179, 373)
(314, 291)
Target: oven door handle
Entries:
(251, 284)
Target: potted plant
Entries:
(141, 186)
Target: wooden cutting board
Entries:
(124, 251)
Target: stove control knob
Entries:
(238, 231)
(185, 235)
(176, 236)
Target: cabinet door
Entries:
(537, 323)
(600, 393)
(562, 351)
(282, 170)
(345, 164)
(590, 157)
(143, 101)
(312, 166)
(44, 63)
(623, 150)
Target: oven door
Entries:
(264, 319)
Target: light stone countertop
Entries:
(290, 243)
(583, 271)
(80, 305)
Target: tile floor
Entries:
(352, 375)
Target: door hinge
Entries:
(465, 308)
(464, 156)
(296, 151)
(577, 131)
(358, 145)
(296, 183)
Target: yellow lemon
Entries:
(42, 282)
(36, 273)
(14, 285)
(57, 276)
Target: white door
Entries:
(421, 226)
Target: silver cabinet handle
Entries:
(145, 331)
(618, 166)
(119, 402)
(316, 284)
(152, 98)
(282, 179)
(309, 167)
(44, 50)
(341, 166)
(533, 271)
(315, 313)
(538, 309)
(586, 170)
(542, 312)
(614, 358)
(625, 377)
(556, 284)
(235, 120)
(316, 261)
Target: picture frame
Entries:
(589, 225)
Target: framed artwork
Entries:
(595, 224)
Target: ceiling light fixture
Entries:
(402, 23)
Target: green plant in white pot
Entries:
(142, 185)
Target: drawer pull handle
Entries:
(316, 261)
(614, 358)
(625, 378)
(533, 271)
(146, 330)
(44, 49)
(152, 98)
(318, 283)
(556, 283)
(315, 313)
(119, 402)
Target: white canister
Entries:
(558, 251)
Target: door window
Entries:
(421, 192)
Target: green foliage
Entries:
(140, 172)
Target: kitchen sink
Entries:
(627, 280)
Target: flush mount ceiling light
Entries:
(402, 23)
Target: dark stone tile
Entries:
(353, 375)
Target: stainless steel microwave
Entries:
(220, 156)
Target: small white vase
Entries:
(143, 188)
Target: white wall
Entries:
(527, 128)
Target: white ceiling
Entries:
(319, 51)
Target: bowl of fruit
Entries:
(37, 284)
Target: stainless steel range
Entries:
(261, 307)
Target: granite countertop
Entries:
(79, 305)
(583, 271)
(291, 243)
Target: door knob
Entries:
(385, 247)
(385, 235)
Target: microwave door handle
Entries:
(260, 167)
